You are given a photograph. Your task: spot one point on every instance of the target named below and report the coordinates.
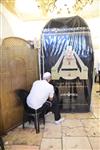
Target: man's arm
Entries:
(51, 95)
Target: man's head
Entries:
(47, 76)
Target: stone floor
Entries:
(79, 131)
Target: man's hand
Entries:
(50, 98)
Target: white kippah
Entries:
(46, 75)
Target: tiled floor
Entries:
(79, 131)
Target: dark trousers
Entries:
(48, 106)
(52, 106)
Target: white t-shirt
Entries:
(40, 92)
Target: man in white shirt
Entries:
(41, 97)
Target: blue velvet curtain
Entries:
(54, 42)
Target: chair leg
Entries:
(23, 120)
(36, 122)
(44, 119)
(1, 143)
